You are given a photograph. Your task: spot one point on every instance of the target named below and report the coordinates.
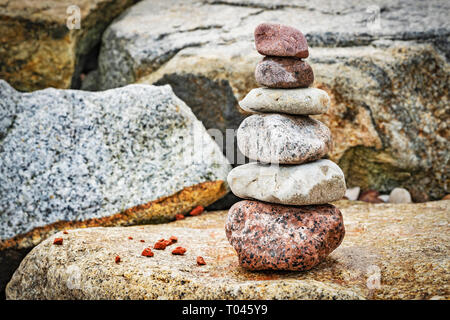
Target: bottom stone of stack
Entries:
(279, 237)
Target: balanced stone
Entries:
(279, 40)
(317, 182)
(303, 101)
(276, 72)
(277, 237)
(284, 139)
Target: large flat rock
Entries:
(390, 251)
(387, 75)
(71, 159)
(38, 50)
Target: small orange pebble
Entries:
(117, 259)
(58, 241)
(197, 210)
(179, 217)
(65, 232)
(130, 238)
(173, 239)
(147, 252)
(200, 261)
(142, 240)
(160, 244)
(179, 251)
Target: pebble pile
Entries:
(286, 223)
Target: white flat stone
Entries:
(352, 193)
(315, 182)
(400, 195)
(303, 101)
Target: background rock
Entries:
(38, 50)
(125, 156)
(410, 261)
(387, 78)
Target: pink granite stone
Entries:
(276, 72)
(279, 237)
(281, 41)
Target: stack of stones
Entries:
(287, 223)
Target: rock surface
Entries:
(388, 85)
(280, 40)
(38, 50)
(317, 182)
(410, 261)
(284, 139)
(274, 72)
(399, 195)
(276, 237)
(71, 158)
(305, 101)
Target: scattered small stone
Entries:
(400, 195)
(352, 193)
(142, 240)
(286, 73)
(280, 40)
(160, 244)
(179, 217)
(200, 261)
(197, 211)
(147, 252)
(65, 232)
(384, 197)
(179, 251)
(130, 238)
(446, 197)
(371, 196)
(117, 260)
(173, 239)
(58, 241)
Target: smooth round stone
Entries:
(303, 101)
(317, 182)
(284, 139)
(277, 237)
(280, 40)
(285, 73)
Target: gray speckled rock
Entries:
(65, 155)
(284, 139)
(304, 101)
(317, 182)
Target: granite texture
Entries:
(280, 40)
(38, 50)
(388, 86)
(284, 139)
(317, 182)
(270, 236)
(124, 156)
(409, 261)
(304, 101)
(276, 72)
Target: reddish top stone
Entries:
(279, 40)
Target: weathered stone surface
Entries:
(316, 182)
(38, 50)
(399, 195)
(284, 139)
(124, 156)
(305, 101)
(280, 40)
(274, 72)
(388, 85)
(411, 261)
(270, 236)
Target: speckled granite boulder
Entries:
(284, 139)
(280, 40)
(38, 50)
(276, 237)
(317, 182)
(285, 73)
(304, 101)
(130, 155)
(364, 266)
